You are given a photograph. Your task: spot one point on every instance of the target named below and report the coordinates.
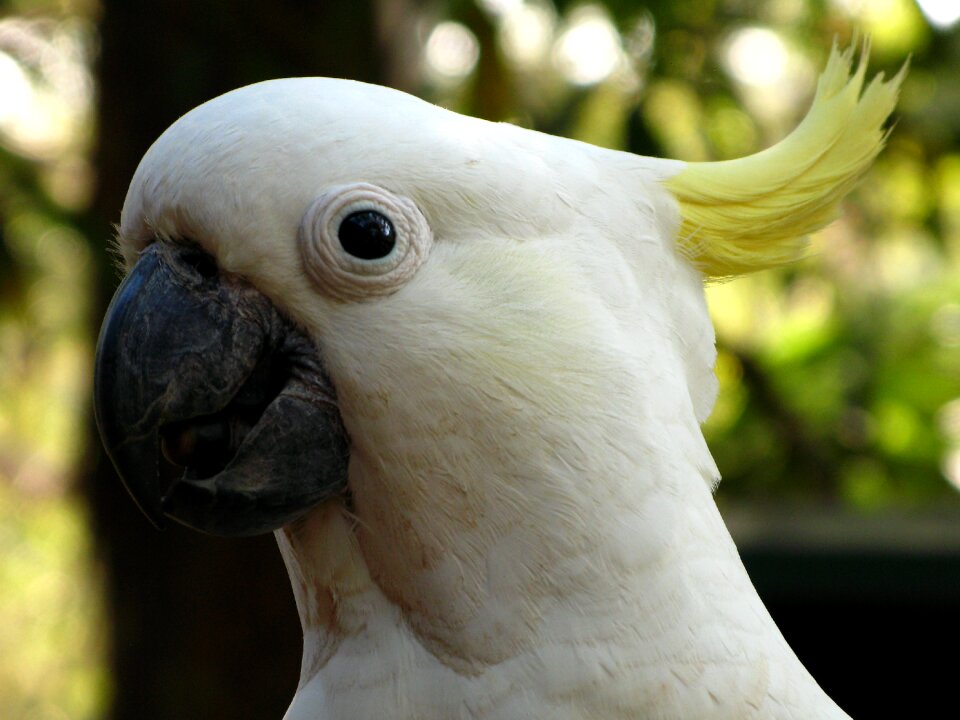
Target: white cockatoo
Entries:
(459, 368)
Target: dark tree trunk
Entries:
(200, 627)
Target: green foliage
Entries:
(51, 640)
(51, 645)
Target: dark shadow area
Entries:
(878, 632)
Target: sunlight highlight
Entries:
(45, 86)
(951, 468)
(941, 14)
(949, 421)
(526, 32)
(774, 80)
(451, 51)
(29, 118)
(15, 90)
(500, 7)
(589, 50)
(757, 57)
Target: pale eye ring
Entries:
(359, 241)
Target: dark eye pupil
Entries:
(367, 235)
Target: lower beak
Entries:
(199, 364)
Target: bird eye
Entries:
(360, 241)
(367, 235)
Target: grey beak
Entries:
(199, 364)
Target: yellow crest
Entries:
(753, 213)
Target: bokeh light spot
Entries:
(941, 14)
(451, 51)
(589, 50)
(757, 56)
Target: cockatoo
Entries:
(459, 369)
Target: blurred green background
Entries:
(837, 429)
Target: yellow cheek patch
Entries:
(743, 215)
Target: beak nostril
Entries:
(201, 262)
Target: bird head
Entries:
(454, 330)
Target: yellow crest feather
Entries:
(754, 212)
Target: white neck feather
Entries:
(677, 633)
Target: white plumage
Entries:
(531, 531)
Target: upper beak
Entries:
(200, 364)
